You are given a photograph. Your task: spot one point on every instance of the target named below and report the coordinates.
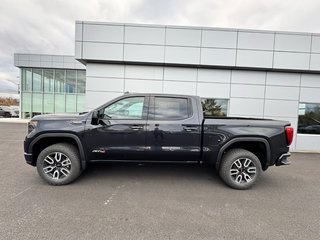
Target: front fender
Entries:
(62, 135)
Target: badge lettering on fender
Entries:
(99, 151)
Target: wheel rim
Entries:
(57, 165)
(243, 170)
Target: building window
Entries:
(48, 82)
(59, 81)
(36, 80)
(81, 81)
(71, 81)
(214, 107)
(52, 91)
(26, 79)
(309, 118)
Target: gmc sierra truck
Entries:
(156, 128)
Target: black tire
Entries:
(7, 115)
(69, 168)
(240, 177)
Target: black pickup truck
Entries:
(156, 128)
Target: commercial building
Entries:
(247, 73)
(50, 84)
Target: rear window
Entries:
(167, 108)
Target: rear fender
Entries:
(245, 139)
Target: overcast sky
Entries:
(47, 26)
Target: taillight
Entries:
(289, 135)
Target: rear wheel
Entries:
(7, 115)
(240, 168)
(59, 164)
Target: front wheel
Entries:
(59, 164)
(240, 168)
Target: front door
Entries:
(121, 131)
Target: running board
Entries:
(147, 161)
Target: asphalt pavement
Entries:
(155, 201)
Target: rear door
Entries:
(173, 129)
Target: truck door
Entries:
(173, 129)
(121, 131)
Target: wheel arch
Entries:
(252, 144)
(47, 139)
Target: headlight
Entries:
(32, 125)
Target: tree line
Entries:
(8, 101)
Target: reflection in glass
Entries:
(25, 102)
(48, 81)
(48, 103)
(26, 79)
(59, 103)
(71, 81)
(37, 80)
(59, 80)
(81, 102)
(168, 108)
(37, 102)
(309, 118)
(81, 77)
(128, 108)
(52, 91)
(214, 107)
(71, 100)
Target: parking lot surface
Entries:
(155, 201)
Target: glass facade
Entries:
(52, 91)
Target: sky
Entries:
(48, 26)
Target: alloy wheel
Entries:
(57, 165)
(243, 170)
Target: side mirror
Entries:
(95, 117)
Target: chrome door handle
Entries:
(189, 129)
(136, 127)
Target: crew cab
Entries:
(156, 128)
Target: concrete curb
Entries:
(13, 120)
(305, 151)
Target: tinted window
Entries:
(309, 118)
(171, 108)
(214, 107)
(128, 108)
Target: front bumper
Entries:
(283, 159)
(28, 158)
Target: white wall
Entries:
(272, 87)
(261, 94)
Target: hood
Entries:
(59, 116)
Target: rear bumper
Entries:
(283, 159)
